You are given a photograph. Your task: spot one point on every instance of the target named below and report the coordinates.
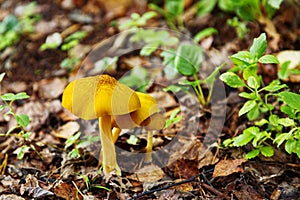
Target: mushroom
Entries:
(146, 116)
(104, 98)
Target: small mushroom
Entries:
(146, 116)
(104, 98)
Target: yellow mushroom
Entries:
(146, 116)
(101, 97)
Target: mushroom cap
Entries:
(147, 115)
(97, 96)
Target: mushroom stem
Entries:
(115, 133)
(148, 157)
(109, 162)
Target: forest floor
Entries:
(188, 159)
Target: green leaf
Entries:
(232, 80)
(188, 59)
(247, 135)
(267, 151)
(254, 113)
(286, 122)
(20, 151)
(268, 59)
(211, 78)
(274, 86)
(205, 33)
(288, 110)
(244, 56)
(175, 88)
(290, 145)
(252, 82)
(284, 72)
(259, 46)
(250, 71)
(70, 141)
(148, 49)
(13, 97)
(246, 95)
(74, 153)
(291, 99)
(205, 6)
(273, 119)
(249, 105)
(175, 7)
(261, 122)
(23, 120)
(252, 154)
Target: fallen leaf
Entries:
(66, 191)
(227, 167)
(149, 173)
(10, 197)
(67, 130)
(51, 88)
(31, 186)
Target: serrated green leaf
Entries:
(21, 95)
(248, 95)
(249, 105)
(268, 59)
(259, 46)
(267, 151)
(252, 154)
(291, 99)
(288, 110)
(280, 138)
(188, 59)
(250, 71)
(232, 80)
(23, 120)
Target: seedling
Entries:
(21, 119)
(56, 40)
(258, 105)
(172, 12)
(240, 27)
(79, 143)
(187, 62)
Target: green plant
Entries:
(250, 9)
(172, 12)
(260, 102)
(21, 119)
(186, 60)
(55, 41)
(240, 27)
(137, 20)
(78, 144)
(174, 118)
(13, 27)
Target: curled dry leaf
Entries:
(227, 167)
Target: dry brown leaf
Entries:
(51, 88)
(10, 197)
(67, 130)
(149, 173)
(227, 167)
(66, 191)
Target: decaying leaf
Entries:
(227, 167)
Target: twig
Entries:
(171, 185)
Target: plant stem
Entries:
(199, 92)
(109, 162)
